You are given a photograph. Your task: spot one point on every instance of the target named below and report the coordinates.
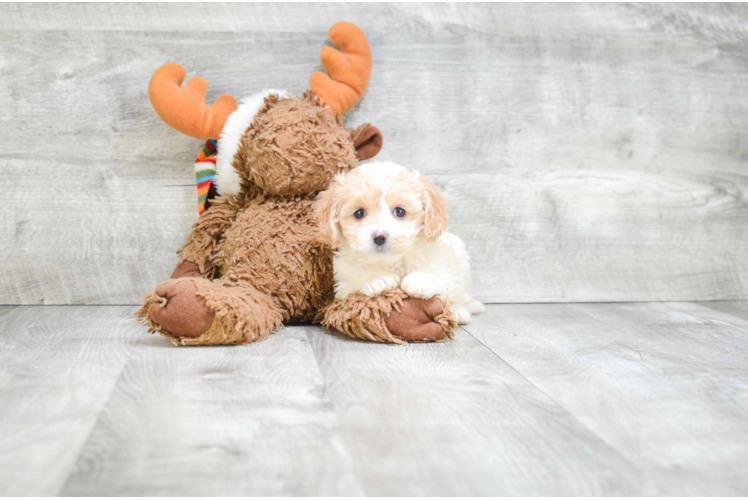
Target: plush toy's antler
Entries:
(184, 108)
(349, 68)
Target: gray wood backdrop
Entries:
(590, 152)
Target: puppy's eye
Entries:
(360, 213)
(399, 212)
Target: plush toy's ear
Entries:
(367, 140)
(434, 211)
(327, 210)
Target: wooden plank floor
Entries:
(566, 399)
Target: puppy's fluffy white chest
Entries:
(443, 258)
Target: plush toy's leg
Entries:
(198, 311)
(390, 317)
(204, 240)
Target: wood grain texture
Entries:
(58, 366)
(666, 385)
(454, 419)
(721, 21)
(557, 399)
(585, 235)
(238, 420)
(590, 152)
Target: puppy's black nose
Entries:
(379, 239)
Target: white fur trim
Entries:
(228, 180)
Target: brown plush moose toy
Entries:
(255, 259)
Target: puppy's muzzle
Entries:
(379, 238)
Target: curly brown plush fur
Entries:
(257, 260)
(368, 318)
(274, 244)
(294, 146)
(204, 241)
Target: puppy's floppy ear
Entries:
(327, 210)
(434, 211)
(367, 140)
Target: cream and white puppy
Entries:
(388, 226)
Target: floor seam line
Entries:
(334, 408)
(613, 448)
(101, 410)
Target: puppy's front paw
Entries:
(461, 314)
(378, 286)
(422, 285)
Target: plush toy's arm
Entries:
(204, 240)
(391, 317)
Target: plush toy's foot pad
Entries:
(181, 311)
(198, 311)
(416, 321)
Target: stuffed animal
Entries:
(255, 259)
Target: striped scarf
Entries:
(205, 172)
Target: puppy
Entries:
(388, 226)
